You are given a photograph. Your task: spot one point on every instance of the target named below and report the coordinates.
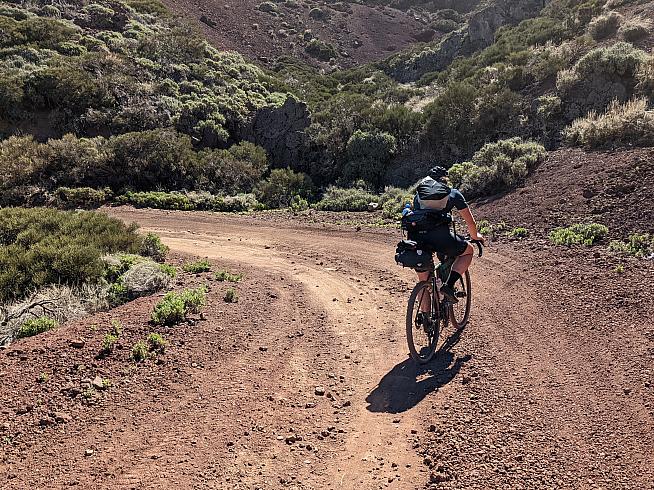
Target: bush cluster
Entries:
(198, 266)
(579, 234)
(638, 244)
(224, 275)
(39, 247)
(83, 172)
(497, 167)
(35, 327)
(625, 124)
(281, 186)
(346, 199)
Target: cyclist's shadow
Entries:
(404, 386)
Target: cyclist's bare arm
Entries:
(466, 214)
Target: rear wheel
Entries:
(422, 324)
(460, 312)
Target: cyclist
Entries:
(435, 197)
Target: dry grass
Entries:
(630, 123)
(635, 29)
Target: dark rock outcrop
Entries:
(281, 131)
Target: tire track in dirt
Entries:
(378, 446)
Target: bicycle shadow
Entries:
(408, 383)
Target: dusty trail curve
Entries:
(542, 390)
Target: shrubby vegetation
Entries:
(579, 234)
(346, 199)
(39, 247)
(175, 307)
(638, 244)
(625, 124)
(35, 326)
(497, 167)
(281, 186)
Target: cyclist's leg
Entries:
(463, 261)
(425, 300)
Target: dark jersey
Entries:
(433, 195)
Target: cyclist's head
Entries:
(438, 173)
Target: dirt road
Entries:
(523, 398)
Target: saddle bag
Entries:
(409, 254)
(421, 221)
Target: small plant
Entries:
(223, 275)
(116, 327)
(619, 269)
(106, 384)
(169, 270)
(519, 232)
(154, 248)
(89, 394)
(43, 378)
(35, 327)
(638, 245)
(156, 343)
(198, 266)
(231, 296)
(140, 351)
(490, 230)
(109, 342)
(586, 234)
(174, 307)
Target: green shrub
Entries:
(174, 307)
(157, 200)
(198, 266)
(299, 204)
(638, 244)
(635, 29)
(224, 275)
(628, 124)
(605, 25)
(614, 68)
(109, 342)
(393, 200)
(278, 190)
(368, 155)
(170, 310)
(156, 343)
(140, 351)
(586, 234)
(153, 247)
(497, 167)
(39, 247)
(169, 270)
(35, 327)
(345, 199)
(321, 50)
(231, 296)
(519, 232)
(82, 197)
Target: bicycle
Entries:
(432, 318)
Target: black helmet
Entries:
(437, 172)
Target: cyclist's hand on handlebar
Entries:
(479, 238)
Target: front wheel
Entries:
(460, 312)
(422, 323)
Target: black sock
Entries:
(454, 276)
